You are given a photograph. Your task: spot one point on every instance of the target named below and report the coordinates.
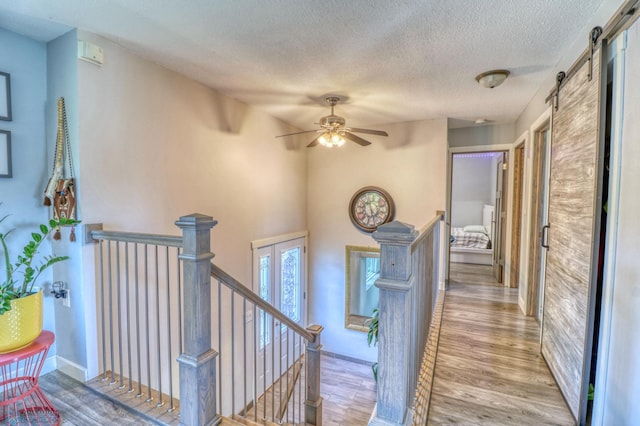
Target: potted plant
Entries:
(372, 337)
(20, 300)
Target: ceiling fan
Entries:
(333, 132)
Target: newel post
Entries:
(395, 324)
(313, 403)
(197, 363)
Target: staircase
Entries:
(175, 327)
(237, 420)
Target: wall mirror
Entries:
(362, 266)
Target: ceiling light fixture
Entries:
(491, 79)
(331, 139)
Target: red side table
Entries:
(22, 402)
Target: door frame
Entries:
(618, 48)
(539, 124)
(447, 217)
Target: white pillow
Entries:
(475, 228)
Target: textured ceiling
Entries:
(392, 60)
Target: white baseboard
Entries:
(50, 364)
(72, 369)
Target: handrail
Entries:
(427, 227)
(241, 289)
(136, 237)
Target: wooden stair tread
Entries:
(237, 420)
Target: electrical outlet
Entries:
(67, 300)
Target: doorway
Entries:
(539, 218)
(477, 218)
(280, 279)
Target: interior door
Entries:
(573, 184)
(500, 218)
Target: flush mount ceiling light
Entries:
(491, 79)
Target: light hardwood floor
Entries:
(80, 406)
(347, 387)
(489, 370)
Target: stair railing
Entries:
(282, 398)
(155, 295)
(409, 288)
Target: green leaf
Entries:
(44, 229)
(36, 237)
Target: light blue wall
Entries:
(22, 195)
(62, 81)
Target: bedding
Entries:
(476, 239)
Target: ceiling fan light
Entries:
(491, 79)
(323, 140)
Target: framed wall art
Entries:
(5, 96)
(5, 154)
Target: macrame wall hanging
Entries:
(61, 191)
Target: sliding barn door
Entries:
(572, 207)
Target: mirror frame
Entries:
(352, 321)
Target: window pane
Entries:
(372, 270)
(265, 294)
(290, 281)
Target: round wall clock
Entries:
(371, 207)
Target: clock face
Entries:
(371, 207)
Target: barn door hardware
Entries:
(559, 78)
(594, 35)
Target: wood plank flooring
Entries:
(489, 370)
(348, 391)
(80, 406)
(347, 387)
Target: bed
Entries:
(472, 243)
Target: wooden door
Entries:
(500, 214)
(570, 260)
(516, 233)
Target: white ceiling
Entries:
(393, 60)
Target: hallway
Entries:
(489, 370)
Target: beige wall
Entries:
(154, 145)
(411, 165)
(493, 134)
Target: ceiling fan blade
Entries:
(369, 131)
(356, 139)
(297, 133)
(316, 141)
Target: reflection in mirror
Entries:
(362, 266)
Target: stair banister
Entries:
(408, 283)
(313, 401)
(395, 310)
(241, 289)
(198, 360)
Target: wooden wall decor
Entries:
(573, 185)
